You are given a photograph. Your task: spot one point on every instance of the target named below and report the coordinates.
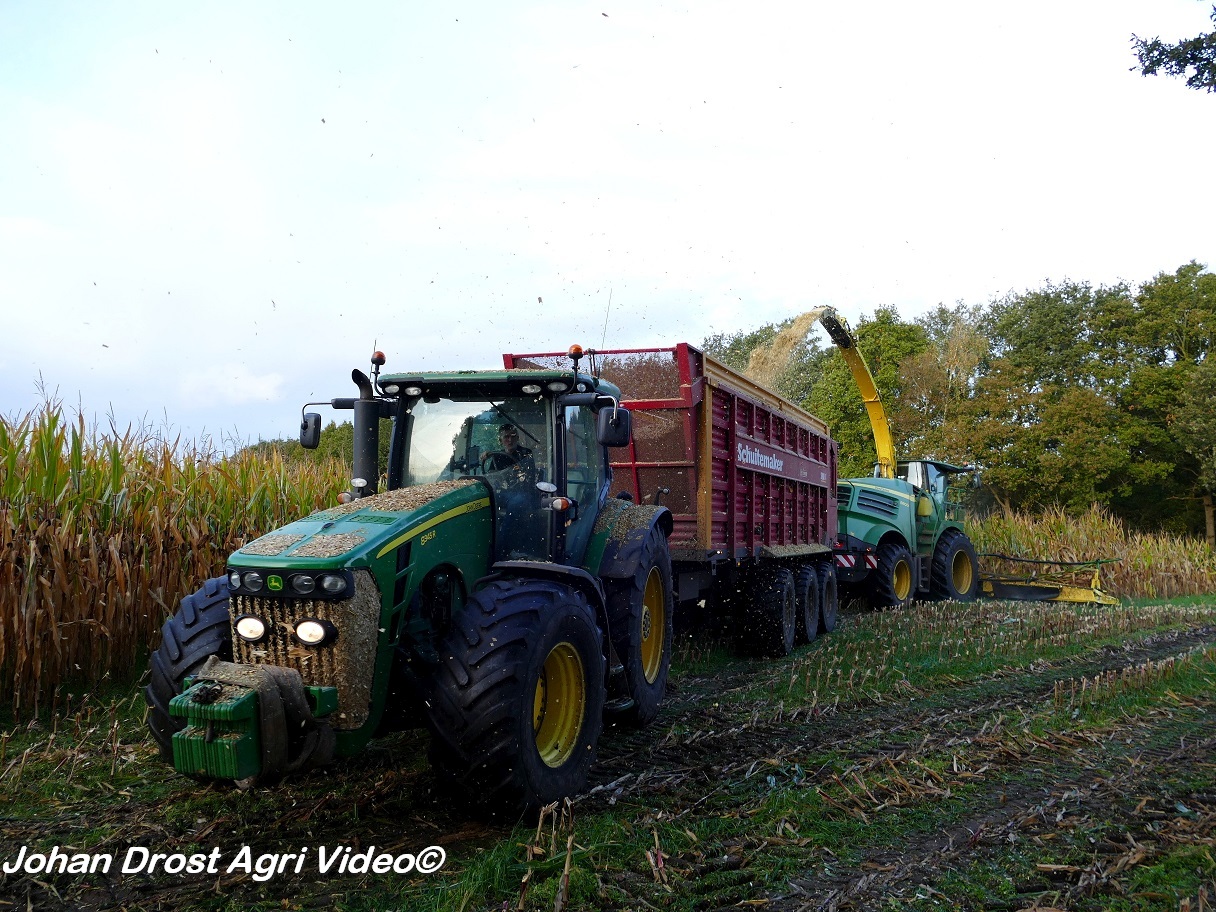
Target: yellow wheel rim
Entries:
(902, 580)
(962, 571)
(654, 626)
(559, 704)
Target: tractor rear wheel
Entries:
(640, 619)
(806, 591)
(770, 615)
(199, 629)
(955, 568)
(829, 599)
(515, 705)
(893, 581)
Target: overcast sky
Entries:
(210, 212)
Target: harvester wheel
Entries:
(199, 629)
(955, 568)
(893, 581)
(829, 599)
(806, 591)
(515, 705)
(640, 617)
(770, 615)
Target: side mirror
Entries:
(310, 431)
(613, 427)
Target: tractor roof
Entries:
(495, 382)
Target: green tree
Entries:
(930, 415)
(1194, 58)
(1196, 421)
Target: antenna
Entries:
(607, 310)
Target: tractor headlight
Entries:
(312, 632)
(234, 580)
(250, 628)
(333, 584)
(252, 580)
(303, 584)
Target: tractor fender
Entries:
(624, 547)
(574, 577)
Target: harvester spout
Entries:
(842, 336)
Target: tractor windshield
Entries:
(506, 441)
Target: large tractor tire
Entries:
(640, 618)
(806, 593)
(956, 573)
(770, 614)
(198, 630)
(893, 581)
(515, 706)
(829, 598)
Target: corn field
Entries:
(102, 533)
(1149, 566)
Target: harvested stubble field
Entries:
(988, 756)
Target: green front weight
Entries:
(221, 738)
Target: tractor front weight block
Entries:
(251, 723)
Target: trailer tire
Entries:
(198, 630)
(806, 591)
(893, 581)
(770, 616)
(515, 706)
(829, 598)
(955, 568)
(640, 622)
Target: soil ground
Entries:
(1005, 787)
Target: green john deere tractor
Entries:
(492, 592)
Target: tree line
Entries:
(1067, 395)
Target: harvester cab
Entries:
(481, 584)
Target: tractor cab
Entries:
(535, 438)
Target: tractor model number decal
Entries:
(426, 537)
(425, 530)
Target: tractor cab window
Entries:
(584, 477)
(914, 473)
(506, 442)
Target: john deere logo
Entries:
(274, 583)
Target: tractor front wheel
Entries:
(893, 581)
(955, 568)
(199, 629)
(515, 705)
(640, 619)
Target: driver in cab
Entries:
(511, 454)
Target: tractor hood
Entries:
(358, 533)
